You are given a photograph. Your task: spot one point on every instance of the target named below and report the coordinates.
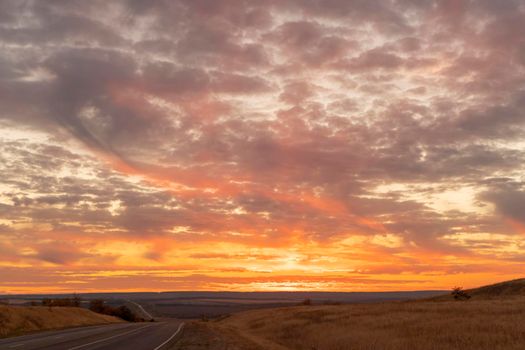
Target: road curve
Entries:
(122, 336)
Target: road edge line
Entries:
(170, 338)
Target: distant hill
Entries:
(17, 320)
(507, 288)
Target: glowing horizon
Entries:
(334, 145)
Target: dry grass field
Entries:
(17, 320)
(485, 322)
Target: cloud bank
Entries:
(248, 145)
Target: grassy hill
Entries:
(507, 289)
(17, 320)
(503, 289)
(492, 319)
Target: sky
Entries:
(336, 145)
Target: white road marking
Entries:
(101, 340)
(170, 338)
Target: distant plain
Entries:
(219, 304)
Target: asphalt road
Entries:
(123, 336)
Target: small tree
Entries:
(76, 300)
(459, 294)
(306, 302)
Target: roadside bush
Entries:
(123, 312)
(75, 301)
(99, 306)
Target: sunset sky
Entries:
(338, 145)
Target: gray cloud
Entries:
(509, 202)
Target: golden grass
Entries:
(16, 320)
(201, 336)
(419, 325)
